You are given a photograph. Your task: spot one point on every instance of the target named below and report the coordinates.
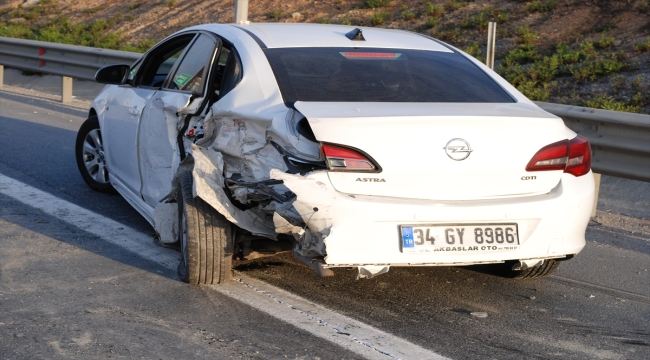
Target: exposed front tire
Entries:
(89, 152)
(535, 272)
(206, 239)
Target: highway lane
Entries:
(66, 293)
(597, 305)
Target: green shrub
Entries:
(94, 10)
(475, 50)
(591, 70)
(618, 83)
(603, 28)
(568, 56)
(379, 17)
(588, 48)
(142, 46)
(17, 31)
(274, 14)
(640, 99)
(449, 36)
(452, 5)
(481, 19)
(345, 20)
(609, 103)
(525, 53)
(604, 42)
(643, 46)
(637, 83)
(535, 91)
(49, 25)
(431, 22)
(373, 4)
(435, 10)
(525, 35)
(539, 6)
(408, 15)
(545, 70)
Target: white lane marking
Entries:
(326, 324)
(344, 331)
(89, 221)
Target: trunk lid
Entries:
(408, 141)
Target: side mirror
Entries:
(113, 74)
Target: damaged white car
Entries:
(350, 147)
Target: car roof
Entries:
(283, 35)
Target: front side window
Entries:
(155, 68)
(381, 75)
(191, 72)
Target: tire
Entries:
(535, 272)
(206, 239)
(89, 152)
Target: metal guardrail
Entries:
(78, 62)
(620, 140)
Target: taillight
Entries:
(345, 159)
(573, 156)
(579, 162)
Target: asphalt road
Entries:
(67, 293)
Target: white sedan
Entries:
(350, 147)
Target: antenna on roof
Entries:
(355, 35)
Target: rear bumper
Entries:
(365, 230)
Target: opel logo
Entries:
(458, 149)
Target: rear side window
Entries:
(381, 75)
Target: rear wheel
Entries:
(89, 152)
(206, 239)
(535, 272)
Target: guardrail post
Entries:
(66, 89)
(241, 11)
(2, 76)
(491, 44)
(597, 181)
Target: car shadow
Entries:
(35, 220)
(42, 156)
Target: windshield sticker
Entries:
(182, 79)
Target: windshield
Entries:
(381, 75)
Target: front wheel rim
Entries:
(93, 156)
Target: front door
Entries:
(158, 154)
(121, 120)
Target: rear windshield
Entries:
(381, 75)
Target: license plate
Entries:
(459, 238)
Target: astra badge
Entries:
(458, 149)
(370, 180)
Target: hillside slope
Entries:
(591, 53)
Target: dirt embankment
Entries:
(606, 63)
